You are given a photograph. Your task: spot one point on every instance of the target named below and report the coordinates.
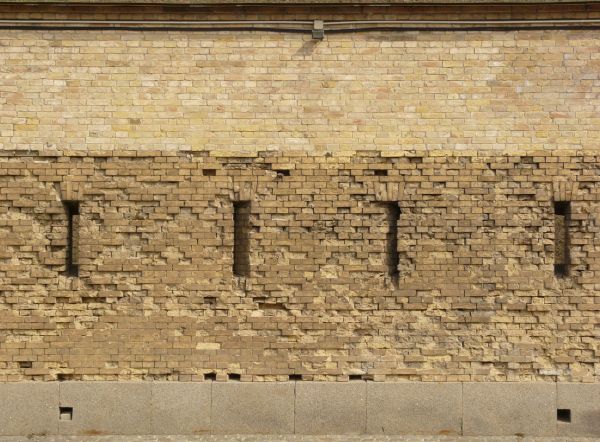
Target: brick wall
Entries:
(156, 296)
(474, 135)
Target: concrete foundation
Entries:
(493, 409)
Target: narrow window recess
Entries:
(210, 376)
(209, 172)
(562, 218)
(355, 377)
(380, 172)
(65, 413)
(392, 258)
(72, 255)
(295, 377)
(241, 240)
(563, 415)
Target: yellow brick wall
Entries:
(477, 132)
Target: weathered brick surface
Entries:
(156, 298)
(158, 133)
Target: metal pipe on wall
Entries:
(299, 25)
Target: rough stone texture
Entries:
(260, 408)
(331, 408)
(584, 402)
(107, 408)
(496, 409)
(28, 408)
(414, 408)
(181, 407)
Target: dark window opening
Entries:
(392, 258)
(210, 376)
(241, 242)
(562, 218)
(234, 376)
(72, 255)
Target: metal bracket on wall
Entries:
(318, 31)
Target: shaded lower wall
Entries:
(93, 408)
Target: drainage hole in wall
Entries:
(210, 376)
(65, 413)
(381, 172)
(25, 364)
(209, 172)
(61, 377)
(295, 377)
(355, 377)
(234, 376)
(563, 415)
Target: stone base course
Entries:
(445, 409)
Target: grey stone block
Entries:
(509, 408)
(414, 408)
(107, 407)
(331, 407)
(584, 402)
(28, 408)
(181, 407)
(253, 408)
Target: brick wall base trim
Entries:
(93, 408)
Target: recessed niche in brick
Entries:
(72, 255)
(563, 415)
(283, 172)
(25, 364)
(61, 377)
(272, 306)
(210, 376)
(392, 259)
(355, 377)
(380, 172)
(209, 172)
(234, 376)
(65, 413)
(295, 377)
(562, 217)
(241, 240)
